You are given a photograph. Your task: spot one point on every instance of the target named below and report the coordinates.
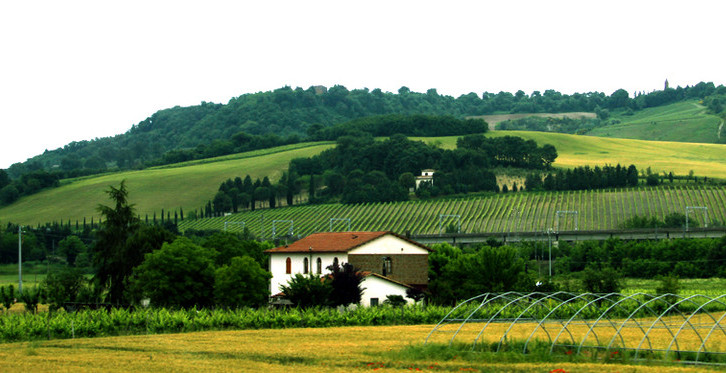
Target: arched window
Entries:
(305, 265)
(288, 266)
(320, 266)
(387, 266)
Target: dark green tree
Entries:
(180, 274)
(242, 283)
(71, 247)
(345, 282)
(111, 254)
(307, 291)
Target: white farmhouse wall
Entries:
(376, 287)
(388, 245)
(278, 266)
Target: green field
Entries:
(598, 210)
(573, 150)
(190, 185)
(683, 121)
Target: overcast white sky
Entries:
(77, 70)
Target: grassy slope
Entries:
(151, 190)
(193, 184)
(683, 121)
(705, 159)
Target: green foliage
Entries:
(307, 291)
(668, 285)
(71, 247)
(242, 283)
(229, 245)
(179, 274)
(551, 124)
(395, 300)
(7, 296)
(31, 296)
(466, 275)
(63, 286)
(111, 259)
(345, 283)
(596, 279)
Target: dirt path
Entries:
(720, 128)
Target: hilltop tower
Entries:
(666, 85)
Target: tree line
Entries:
(584, 178)
(288, 112)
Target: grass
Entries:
(685, 121)
(340, 349)
(706, 286)
(573, 151)
(151, 190)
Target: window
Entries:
(320, 266)
(374, 302)
(305, 265)
(387, 266)
(288, 266)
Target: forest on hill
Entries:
(288, 115)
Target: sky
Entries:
(79, 70)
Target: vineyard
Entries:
(596, 210)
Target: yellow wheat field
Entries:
(340, 349)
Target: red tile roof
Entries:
(330, 242)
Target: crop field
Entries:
(597, 210)
(337, 349)
(188, 186)
(573, 151)
(683, 121)
(495, 119)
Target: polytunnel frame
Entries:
(526, 306)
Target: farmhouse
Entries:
(427, 176)
(390, 263)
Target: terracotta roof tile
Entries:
(331, 242)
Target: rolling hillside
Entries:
(191, 184)
(682, 121)
(188, 186)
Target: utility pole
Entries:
(20, 259)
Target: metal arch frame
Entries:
(527, 307)
(234, 223)
(290, 230)
(703, 341)
(330, 228)
(717, 324)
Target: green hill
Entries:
(598, 210)
(686, 121)
(189, 185)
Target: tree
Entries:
(407, 180)
(222, 202)
(242, 283)
(601, 280)
(307, 291)
(229, 245)
(9, 194)
(180, 274)
(345, 281)
(71, 247)
(63, 286)
(111, 256)
(7, 296)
